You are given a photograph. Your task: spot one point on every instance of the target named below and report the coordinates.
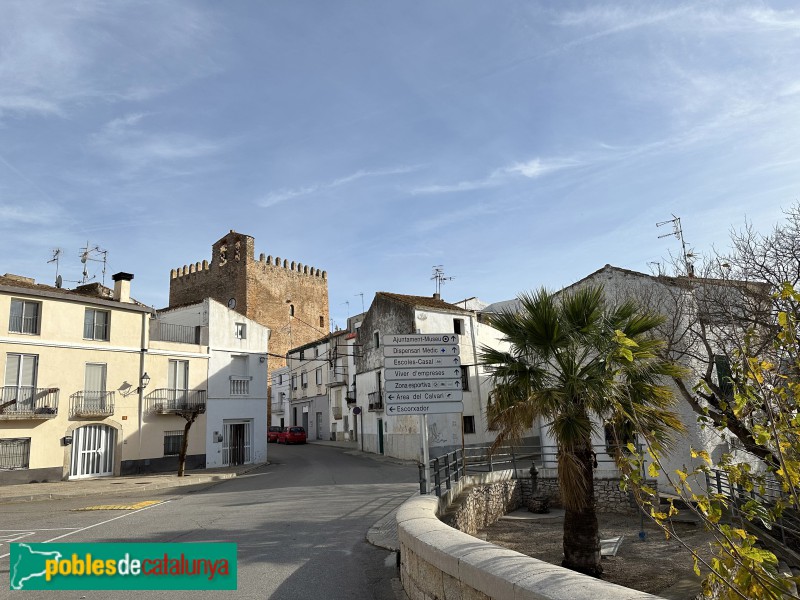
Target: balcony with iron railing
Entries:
(171, 402)
(337, 412)
(23, 402)
(91, 404)
(350, 397)
(375, 401)
(277, 408)
(183, 334)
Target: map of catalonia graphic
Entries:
(29, 564)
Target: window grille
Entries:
(15, 453)
(173, 440)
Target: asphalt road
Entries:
(300, 525)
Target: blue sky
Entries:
(516, 143)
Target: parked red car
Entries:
(273, 432)
(292, 435)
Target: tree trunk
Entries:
(185, 443)
(581, 532)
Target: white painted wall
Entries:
(280, 396)
(224, 345)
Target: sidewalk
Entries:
(107, 486)
(354, 448)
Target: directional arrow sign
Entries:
(419, 339)
(424, 373)
(424, 396)
(424, 408)
(431, 385)
(426, 350)
(422, 361)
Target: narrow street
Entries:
(300, 524)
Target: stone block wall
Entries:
(438, 562)
(288, 297)
(607, 494)
(480, 506)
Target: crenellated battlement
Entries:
(298, 267)
(269, 289)
(263, 260)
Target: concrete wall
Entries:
(437, 561)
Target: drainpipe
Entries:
(472, 325)
(142, 352)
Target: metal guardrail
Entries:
(91, 404)
(183, 334)
(23, 402)
(450, 468)
(770, 491)
(167, 401)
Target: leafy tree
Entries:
(576, 362)
(744, 503)
(726, 311)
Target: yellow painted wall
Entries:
(62, 357)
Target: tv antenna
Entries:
(438, 275)
(88, 255)
(56, 256)
(677, 231)
(362, 300)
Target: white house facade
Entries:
(236, 413)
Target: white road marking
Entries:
(26, 530)
(74, 531)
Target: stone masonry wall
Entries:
(480, 506)
(266, 290)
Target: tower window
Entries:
(321, 321)
(291, 310)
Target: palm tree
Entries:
(576, 363)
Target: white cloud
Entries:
(278, 196)
(55, 57)
(127, 141)
(531, 169)
(448, 217)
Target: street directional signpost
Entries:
(432, 385)
(418, 373)
(422, 361)
(422, 370)
(423, 408)
(419, 339)
(427, 397)
(426, 350)
(422, 374)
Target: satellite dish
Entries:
(59, 281)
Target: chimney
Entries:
(122, 286)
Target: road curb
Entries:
(136, 488)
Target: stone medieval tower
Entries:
(288, 297)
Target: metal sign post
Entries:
(426, 459)
(422, 376)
